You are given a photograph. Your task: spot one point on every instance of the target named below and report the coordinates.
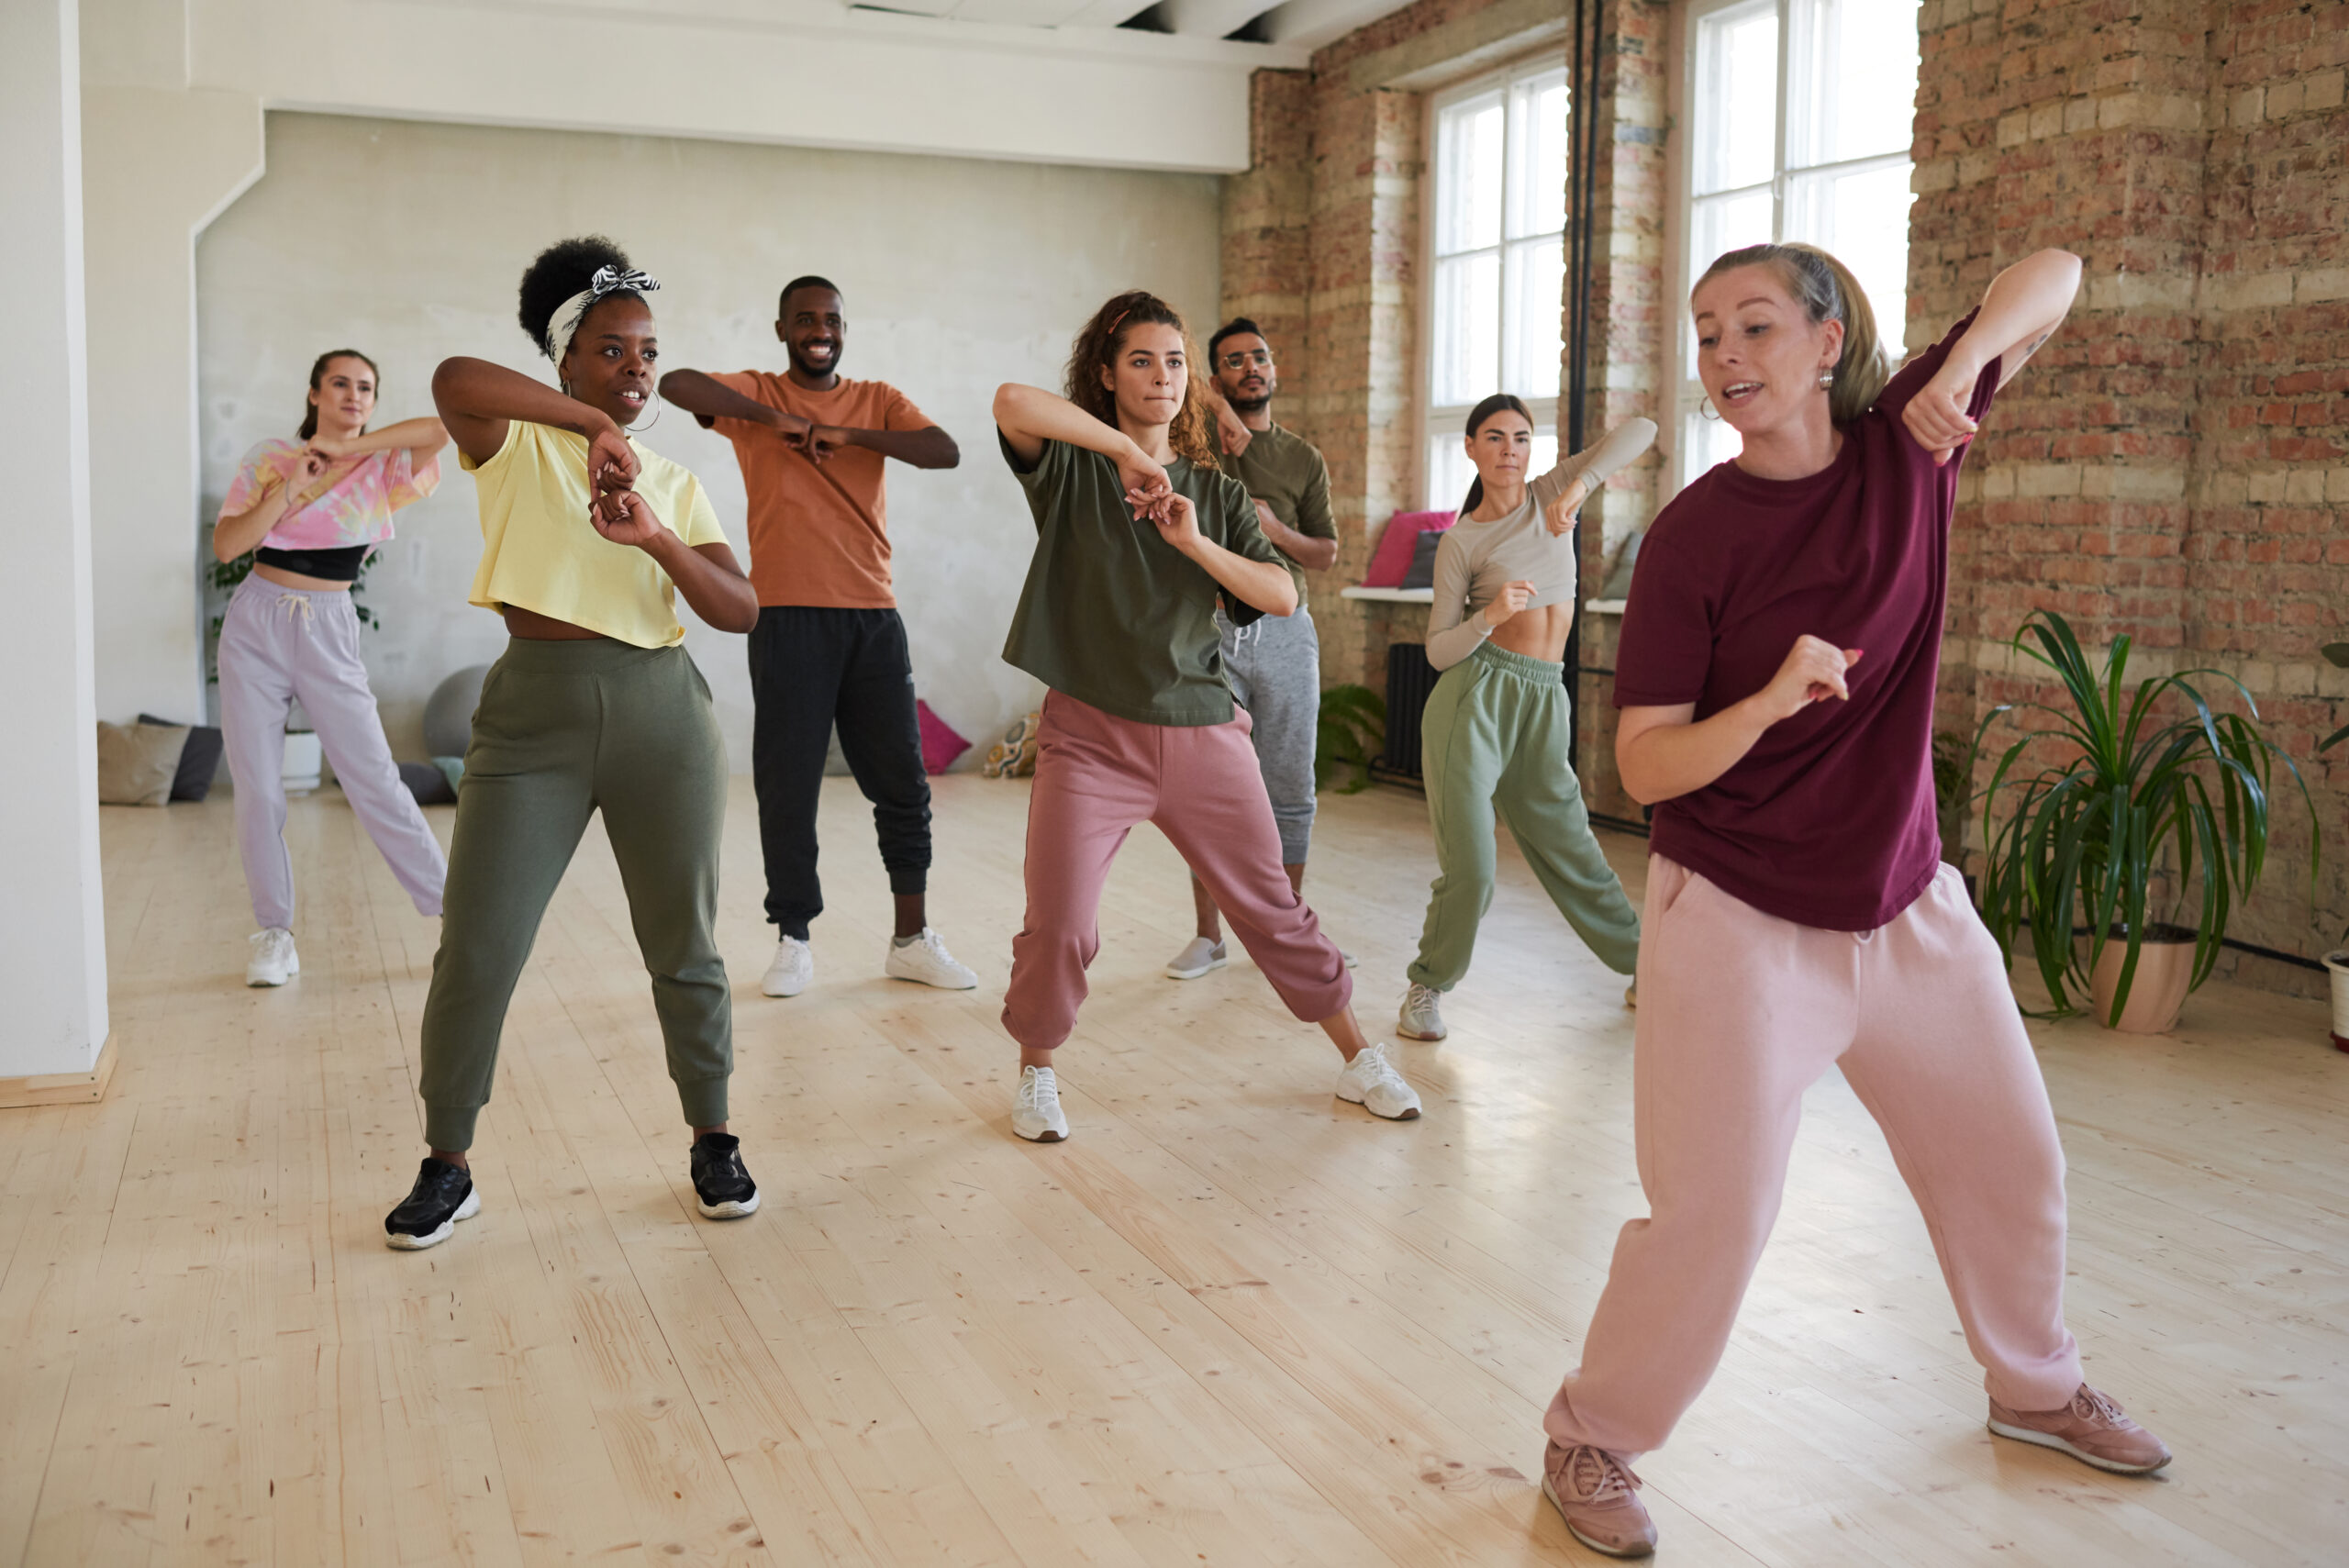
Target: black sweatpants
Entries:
(813, 667)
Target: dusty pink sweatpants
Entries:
(1739, 1013)
(1097, 776)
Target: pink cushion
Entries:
(1393, 557)
(939, 744)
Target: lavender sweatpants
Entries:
(278, 644)
(1097, 776)
(1740, 1011)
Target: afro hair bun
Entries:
(563, 269)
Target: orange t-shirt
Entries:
(819, 535)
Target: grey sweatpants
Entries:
(1274, 667)
(278, 645)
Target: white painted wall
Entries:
(407, 239)
(52, 932)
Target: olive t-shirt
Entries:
(1111, 613)
(1829, 820)
(1285, 471)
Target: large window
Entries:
(1497, 263)
(1801, 116)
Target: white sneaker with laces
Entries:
(1422, 1018)
(793, 968)
(1371, 1081)
(1036, 1112)
(1197, 959)
(925, 959)
(274, 962)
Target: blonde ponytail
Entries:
(1827, 291)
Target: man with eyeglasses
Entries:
(1274, 663)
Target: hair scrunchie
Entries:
(563, 325)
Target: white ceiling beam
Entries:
(1212, 18)
(1106, 13)
(1309, 24)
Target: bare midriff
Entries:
(532, 626)
(285, 579)
(1536, 633)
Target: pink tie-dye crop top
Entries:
(350, 504)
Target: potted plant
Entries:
(1351, 730)
(2336, 963)
(2146, 789)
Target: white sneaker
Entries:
(794, 967)
(1371, 1081)
(1421, 1017)
(925, 959)
(1351, 962)
(1036, 1113)
(1197, 958)
(274, 962)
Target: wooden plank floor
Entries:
(1231, 1322)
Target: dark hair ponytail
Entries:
(1498, 402)
(318, 374)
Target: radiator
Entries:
(1410, 679)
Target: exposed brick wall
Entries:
(2174, 464)
(1323, 235)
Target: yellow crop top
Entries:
(540, 552)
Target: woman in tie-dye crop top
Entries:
(311, 509)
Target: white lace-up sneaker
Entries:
(1421, 1017)
(1197, 959)
(925, 959)
(1036, 1112)
(1371, 1081)
(274, 962)
(794, 967)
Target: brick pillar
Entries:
(1266, 227)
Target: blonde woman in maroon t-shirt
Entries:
(1775, 677)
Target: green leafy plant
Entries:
(1952, 787)
(2146, 786)
(1352, 731)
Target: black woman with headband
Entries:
(587, 539)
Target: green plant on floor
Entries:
(224, 576)
(1952, 787)
(2337, 655)
(1352, 731)
(2144, 786)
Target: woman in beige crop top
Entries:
(1506, 570)
(1493, 738)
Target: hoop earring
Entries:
(1707, 409)
(635, 430)
(1826, 380)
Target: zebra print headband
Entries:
(563, 325)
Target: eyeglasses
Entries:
(1261, 358)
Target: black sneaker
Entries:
(725, 1189)
(442, 1195)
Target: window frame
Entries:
(1688, 392)
(1431, 419)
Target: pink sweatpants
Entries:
(1097, 776)
(1739, 1013)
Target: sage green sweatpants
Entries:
(564, 729)
(1494, 736)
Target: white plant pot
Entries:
(303, 760)
(2337, 964)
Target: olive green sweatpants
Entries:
(565, 729)
(1494, 735)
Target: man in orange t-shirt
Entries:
(829, 649)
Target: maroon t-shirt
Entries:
(1829, 821)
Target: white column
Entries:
(52, 932)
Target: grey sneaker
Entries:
(1197, 958)
(1421, 1019)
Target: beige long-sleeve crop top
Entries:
(1477, 559)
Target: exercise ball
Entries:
(449, 716)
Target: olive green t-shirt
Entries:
(1285, 471)
(1111, 613)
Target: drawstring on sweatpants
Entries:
(292, 604)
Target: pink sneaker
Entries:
(2091, 1428)
(1595, 1494)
